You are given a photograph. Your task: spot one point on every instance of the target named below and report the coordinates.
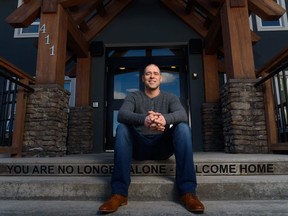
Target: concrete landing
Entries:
(136, 208)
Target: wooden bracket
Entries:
(49, 6)
(237, 3)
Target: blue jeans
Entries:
(130, 144)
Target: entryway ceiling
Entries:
(91, 16)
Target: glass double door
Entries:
(124, 76)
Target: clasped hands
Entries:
(155, 121)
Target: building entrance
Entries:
(124, 67)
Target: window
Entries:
(251, 22)
(8, 94)
(70, 85)
(280, 83)
(30, 31)
(275, 25)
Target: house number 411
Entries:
(42, 30)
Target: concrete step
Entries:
(144, 188)
(264, 178)
(147, 208)
(206, 164)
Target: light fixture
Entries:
(194, 75)
(122, 68)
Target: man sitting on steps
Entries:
(144, 133)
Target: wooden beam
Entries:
(213, 39)
(49, 6)
(270, 114)
(16, 71)
(237, 3)
(205, 8)
(70, 57)
(237, 43)
(9, 150)
(266, 9)
(96, 24)
(278, 60)
(83, 11)
(83, 27)
(254, 37)
(76, 39)
(52, 46)
(283, 147)
(210, 10)
(194, 20)
(217, 2)
(18, 131)
(189, 6)
(221, 66)
(101, 9)
(72, 72)
(71, 3)
(83, 82)
(211, 78)
(71, 61)
(25, 15)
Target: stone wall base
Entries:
(80, 130)
(46, 122)
(212, 127)
(243, 116)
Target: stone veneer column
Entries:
(243, 115)
(212, 127)
(80, 130)
(46, 122)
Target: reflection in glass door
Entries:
(124, 76)
(124, 83)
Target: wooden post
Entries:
(237, 42)
(52, 47)
(211, 78)
(83, 82)
(18, 132)
(270, 114)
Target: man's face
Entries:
(152, 77)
